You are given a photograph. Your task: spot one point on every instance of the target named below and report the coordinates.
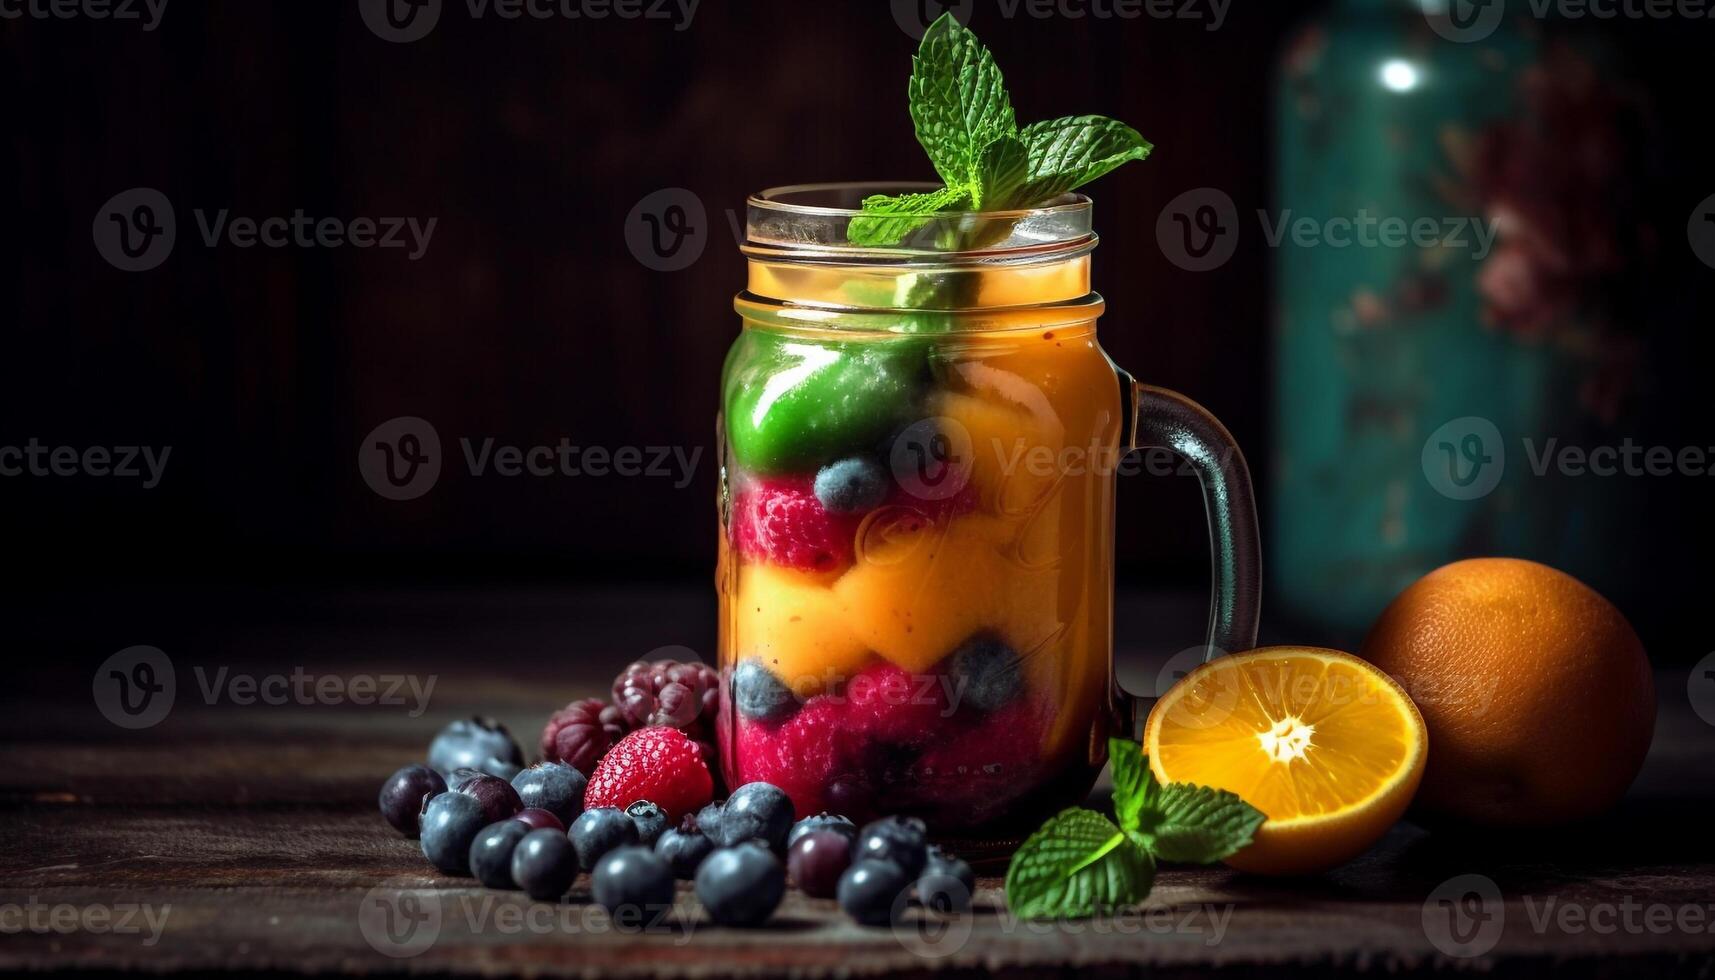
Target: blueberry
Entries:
(403, 796)
(683, 850)
(940, 862)
(742, 885)
(817, 860)
(450, 822)
(544, 864)
(756, 811)
(477, 743)
(536, 818)
(650, 819)
(822, 821)
(870, 892)
(986, 673)
(491, 853)
(759, 694)
(852, 486)
(709, 819)
(499, 800)
(598, 831)
(634, 884)
(898, 840)
(552, 786)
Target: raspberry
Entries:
(975, 774)
(801, 756)
(657, 764)
(667, 692)
(576, 736)
(899, 708)
(781, 521)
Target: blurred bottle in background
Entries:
(1459, 279)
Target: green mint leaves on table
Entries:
(1080, 864)
(964, 120)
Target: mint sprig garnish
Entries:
(1080, 864)
(965, 122)
(1195, 824)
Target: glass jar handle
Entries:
(1161, 419)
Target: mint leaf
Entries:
(1071, 151)
(1077, 865)
(1193, 824)
(959, 102)
(886, 220)
(1134, 784)
(1002, 171)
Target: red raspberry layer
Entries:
(781, 521)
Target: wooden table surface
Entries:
(237, 836)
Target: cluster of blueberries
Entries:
(532, 834)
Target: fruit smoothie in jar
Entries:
(919, 447)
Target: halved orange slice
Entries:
(1329, 748)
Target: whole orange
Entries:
(1535, 690)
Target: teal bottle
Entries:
(1444, 323)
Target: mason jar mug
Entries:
(919, 445)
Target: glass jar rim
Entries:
(811, 222)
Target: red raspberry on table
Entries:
(892, 705)
(781, 521)
(656, 764)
